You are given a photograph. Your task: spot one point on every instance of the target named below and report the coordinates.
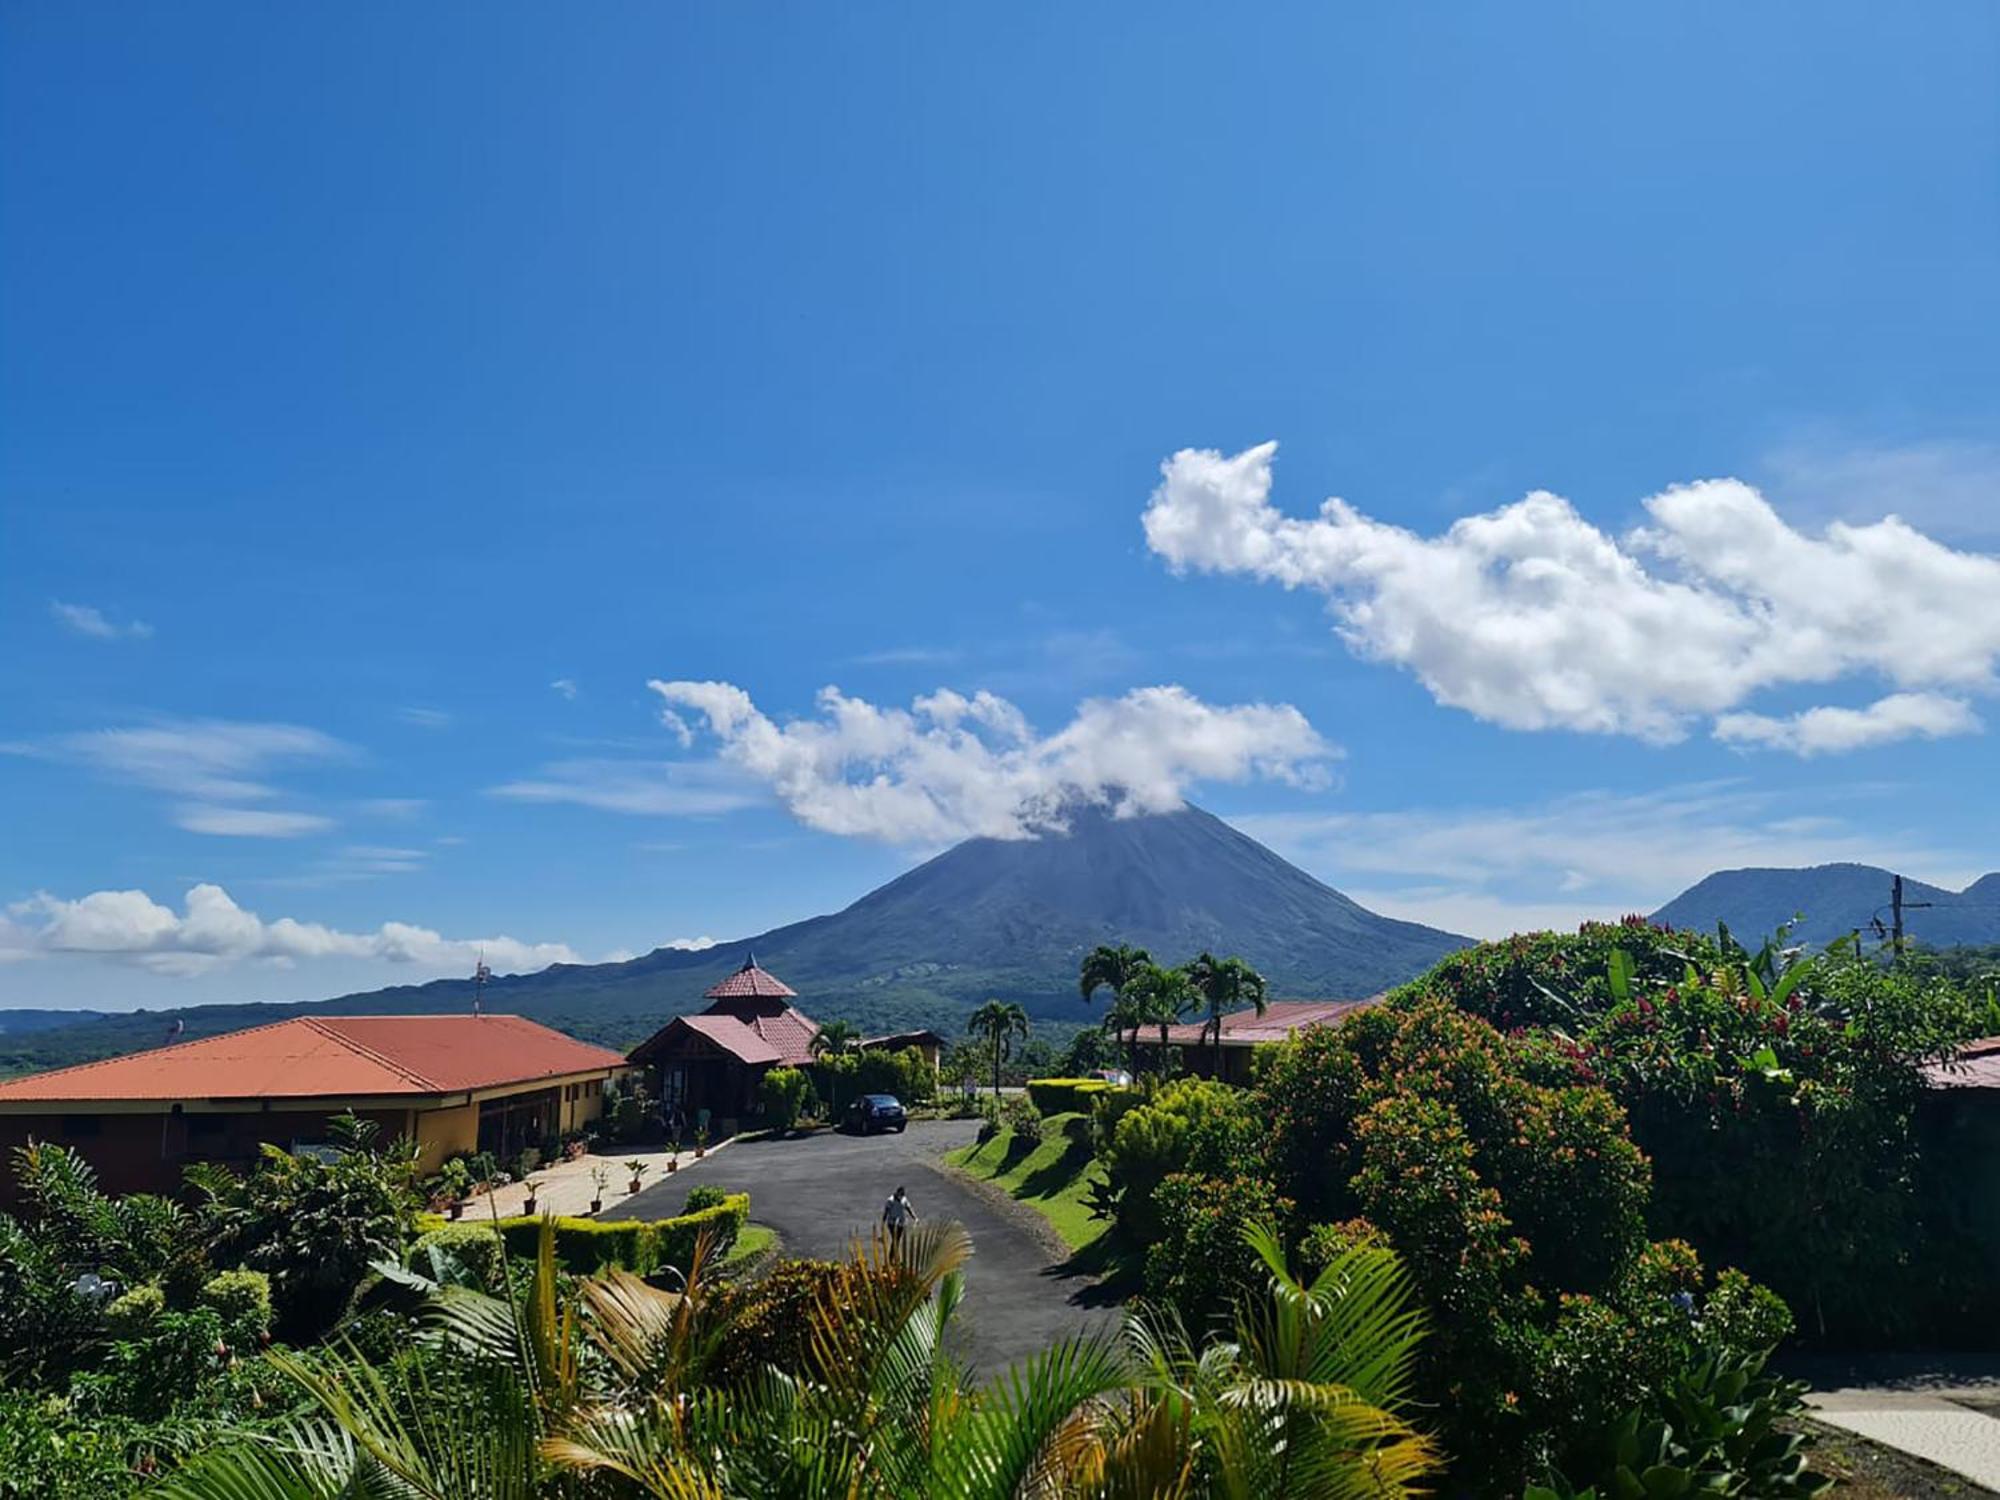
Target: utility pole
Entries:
(1896, 906)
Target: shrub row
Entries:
(1062, 1096)
(586, 1246)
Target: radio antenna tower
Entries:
(480, 974)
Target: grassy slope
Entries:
(754, 1240)
(1053, 1177)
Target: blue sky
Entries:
(387, 396)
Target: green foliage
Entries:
(130, 1314)
(707, 1195)
(47, 1452)
(1201, 1264)
(242, 1299)
(782, 1095)
(906, 1073)
(1711, 1431)
(1191, 1125)
(1019, 1115)
(1062, 1096)
(461, 1254)
(989, 1120)
(1777, 1097)
(316, 1225)
(587, 1246)
(999, 1024)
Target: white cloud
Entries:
(692, 945)
(646, 787)
(212, 931)
(211, 766)
(1593, 854)
(1950, 485)
(952, 767)
(248, 822)
(1823, 731)
(88, 620)
(394, 807)
(565, 687)
(425, 718)
(1531, 617)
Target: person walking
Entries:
(898, 1214)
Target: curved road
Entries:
(822, 1190)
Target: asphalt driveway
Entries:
(821, 1191)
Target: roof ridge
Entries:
(319, 1024)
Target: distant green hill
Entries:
(989, 917)
(1835, 899)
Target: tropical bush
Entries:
(1019, 1115)
(1776, 1095)
(906, 1073)
(1062, 1096)
(1191, 1125)
(607, 1386)
(643, 1247)
(782, 1095)
(1201, 1266)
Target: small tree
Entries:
(835, 1046)
(1114, 969)
(1162, 997)
(783, 1097)
(999, 1022)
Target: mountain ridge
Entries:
(987, 917)
(1833, 900)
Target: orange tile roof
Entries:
(752, 982)
(750, 1036)
(1976, 1066)
(1245, 1028)
(315, 1057)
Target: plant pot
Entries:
(597, 1205)
(634, 1187)
(456, 1208)
(528, 1207)
(672, 1165)
(700, 1152)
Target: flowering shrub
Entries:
(1777, 1101)
(1200, 1264)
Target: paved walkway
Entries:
(821, 1191)
(1945, 1409)
(566, 1189)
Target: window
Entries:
(75, 1126)
(206, 1125)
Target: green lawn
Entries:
(1052, 1177)
(754, 1240)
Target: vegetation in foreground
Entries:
(840, 1383)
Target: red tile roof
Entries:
(749, 1034)
(752, 982)
(1245, 1028)
(328, 1057)
(1977, 1066)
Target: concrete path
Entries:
(823, 1190)
(566, 1189)
(1945, 1409)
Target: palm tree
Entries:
(608, 1378)
(1224, 985)
(1162, 997)
(999, 1022)
(1113, 968)
(1304, 1400)
(833, 1044)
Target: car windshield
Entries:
(885, 1101)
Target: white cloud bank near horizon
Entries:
(1492, 871)
(951, 767)
(212, 931)
(1532, 618)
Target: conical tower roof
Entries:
(752, 983)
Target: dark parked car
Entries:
(873, 1112)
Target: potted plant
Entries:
(600, 1178)
(674, 1157)
(700, 1141)
(532, 1185)
(637, 1168)
(454, 1182)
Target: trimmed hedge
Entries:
(1063, 1096)
(586, 1246)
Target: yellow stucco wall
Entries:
(445, 1132)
